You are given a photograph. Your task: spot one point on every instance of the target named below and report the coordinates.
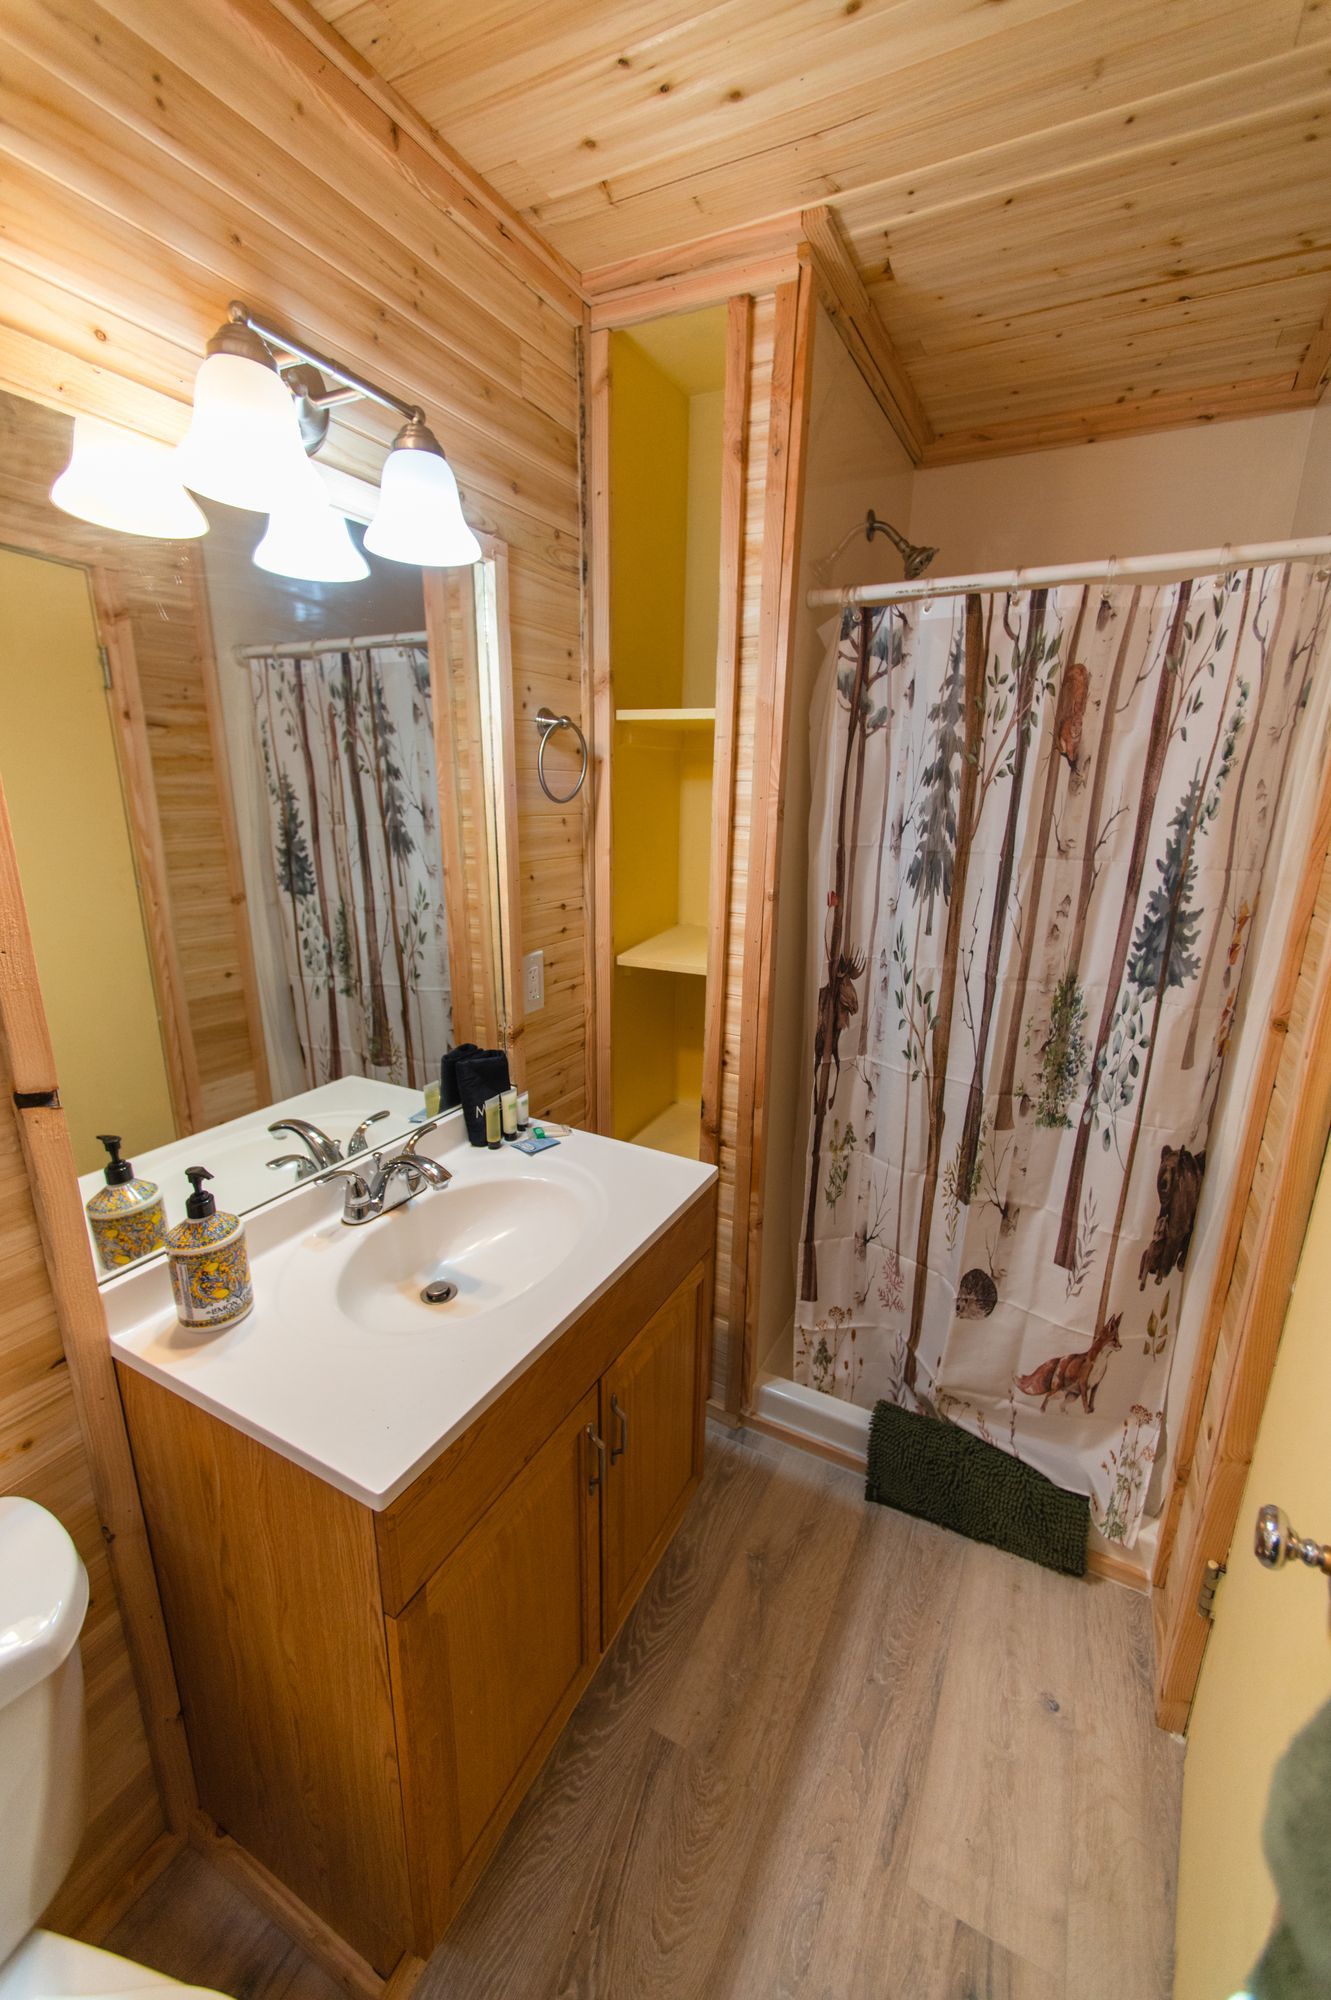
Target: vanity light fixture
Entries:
(308, 539)
(244, 445)
(119, 480)
(419, 518)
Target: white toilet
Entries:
(43, 1598)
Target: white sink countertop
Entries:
(341, 1367)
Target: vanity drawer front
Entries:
(488, 1660)
(652, 1420)
(421, 1529)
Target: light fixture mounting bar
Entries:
(300, 350)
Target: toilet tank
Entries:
(43, 1599)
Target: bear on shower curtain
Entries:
(1039, 826)
(347, 749)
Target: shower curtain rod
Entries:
(302, 648)
(1188, 562)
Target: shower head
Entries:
(915, 556)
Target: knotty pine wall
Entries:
(156, 161)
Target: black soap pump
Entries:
(210, 1265)
(126, 1216)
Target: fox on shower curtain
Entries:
(1039, 826)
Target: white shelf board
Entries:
(683, 948)
(676, 1130)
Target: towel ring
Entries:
(547, 722)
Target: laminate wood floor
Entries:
(835, 1754)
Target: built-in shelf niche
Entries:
(666, 392)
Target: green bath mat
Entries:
(941, 1473)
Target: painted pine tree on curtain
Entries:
(347, 747)
(1039, 827)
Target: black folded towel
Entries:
(480, 1075)
(449, 1094)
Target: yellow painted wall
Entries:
(1268, 1661)
(649, 487)
(62, 783)
(702, 566)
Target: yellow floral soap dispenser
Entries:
(210, 1266)
(126, 1216)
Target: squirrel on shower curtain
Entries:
(347, 750)
(1039, 826)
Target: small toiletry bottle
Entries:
(524, 1111)
(493, 1122)
(210, 1266)
(126, 1216)
(432, 1100)
(508, 1112)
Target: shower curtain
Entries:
(1037, 839)
(347, 750)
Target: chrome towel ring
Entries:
(547, 722)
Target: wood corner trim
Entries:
(842, 295)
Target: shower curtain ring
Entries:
(548, 722)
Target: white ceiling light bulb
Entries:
(308, 539)
(419, 518)
(117, 479)
(243, 445)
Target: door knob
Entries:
(1275, 1543)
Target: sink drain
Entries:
(439, 1291)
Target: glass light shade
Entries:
(243, 444)
(117, 479)
(419, 517)
(308, 539)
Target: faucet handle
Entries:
(409, 1150)
(357, 1142)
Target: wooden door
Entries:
(652, 1423)
(489, 1658)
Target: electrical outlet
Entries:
(533, 981)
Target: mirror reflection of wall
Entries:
(62, 784)
(254, 825)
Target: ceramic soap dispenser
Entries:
(210, 1266)
(126, 1216)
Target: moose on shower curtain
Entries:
(1039, 826)
(347, 748)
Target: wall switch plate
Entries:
(533, 981)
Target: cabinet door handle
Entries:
(621, 1444)
(597, 1473)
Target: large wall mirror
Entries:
(260, 828)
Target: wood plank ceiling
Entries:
(1074, 217)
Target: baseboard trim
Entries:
(102, 1919)
(355, 1975)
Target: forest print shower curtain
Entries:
(1039, 827)
(347, 746)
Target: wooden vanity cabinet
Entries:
(368, 1696)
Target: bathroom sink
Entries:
(492, 1239)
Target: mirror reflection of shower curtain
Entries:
(1037, 839)
(347, 750)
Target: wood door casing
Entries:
(652, 1421)
(489, 1659)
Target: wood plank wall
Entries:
(42, 1455)
(155, 161)
(760, 387)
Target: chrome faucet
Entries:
(370, 1189)
(325, 1152)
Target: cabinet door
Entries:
(489, 1658)
(652, 1423)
